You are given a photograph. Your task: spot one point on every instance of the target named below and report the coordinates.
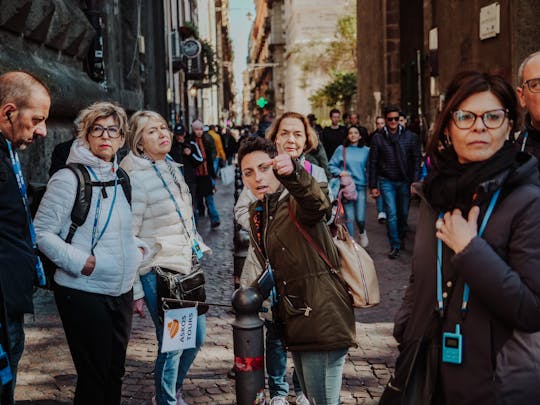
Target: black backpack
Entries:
(81, 207)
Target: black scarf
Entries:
(454, 185)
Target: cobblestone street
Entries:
(47, 375)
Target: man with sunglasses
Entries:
(394, 164)
(528, 92)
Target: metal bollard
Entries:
(248, 347)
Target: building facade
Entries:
(285, 39)
(84, 51)
(408, 51)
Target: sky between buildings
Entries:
(240, 28)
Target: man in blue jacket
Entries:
(24, 107)
(394, 163)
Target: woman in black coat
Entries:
(473, 300)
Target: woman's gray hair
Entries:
(137, 122)
(101, 109)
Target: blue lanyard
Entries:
(177, 208)
(95, 239)
(466, 290)
(525, 137)
(16, 164)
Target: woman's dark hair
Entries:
(361, 141)
(462, 86)
(252, 144)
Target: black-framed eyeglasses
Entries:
(392, 119)
(532, 84)
(97, 131)
(492, 119)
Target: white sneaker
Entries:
(179, 399)
(364, 241)
(279, 401)
(381, 217)
(301, 399)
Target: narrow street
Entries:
(47, 375)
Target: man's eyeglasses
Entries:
(492, 119)
(390, 119)
(97, 131)
(533, 85)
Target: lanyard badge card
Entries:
(452, 347)
(197, 249)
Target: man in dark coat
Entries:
(205, 175)
(333, 135)
(187, 153)
(394, 164)
(528, 93)
(24, 106)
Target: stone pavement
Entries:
(47, 374)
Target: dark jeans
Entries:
(396, 197)
(15, 329)
(97, 329)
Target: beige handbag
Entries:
(357, 267)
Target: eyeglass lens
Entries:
(98, 131)
(491, 119)
(533, 85)
(392, 118)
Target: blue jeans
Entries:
(380, 204)
(171, 367)
(212, 210)
(276, 364)
(320, 375)
(396, 196)
(15, 329)
(355, 211)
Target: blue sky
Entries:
(240, 27)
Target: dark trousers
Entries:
(97, 329)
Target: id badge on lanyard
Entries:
(196, 248)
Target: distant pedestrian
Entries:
(354, 155)
(186, 152)
(381, 214)
(334, 135)
(528, 92)
(355, 121)
(314, 310)
(221, 157)
(205, 175)
(24, 108)
(394, 163)
(97, 262)
(163, 218)
(318, 154)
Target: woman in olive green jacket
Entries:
(314, 308)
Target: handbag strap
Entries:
(344, 158)
(309, 239)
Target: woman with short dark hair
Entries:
(474, 296)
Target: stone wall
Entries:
(52, 39)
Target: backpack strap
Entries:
(123, 179)
(83, 198)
